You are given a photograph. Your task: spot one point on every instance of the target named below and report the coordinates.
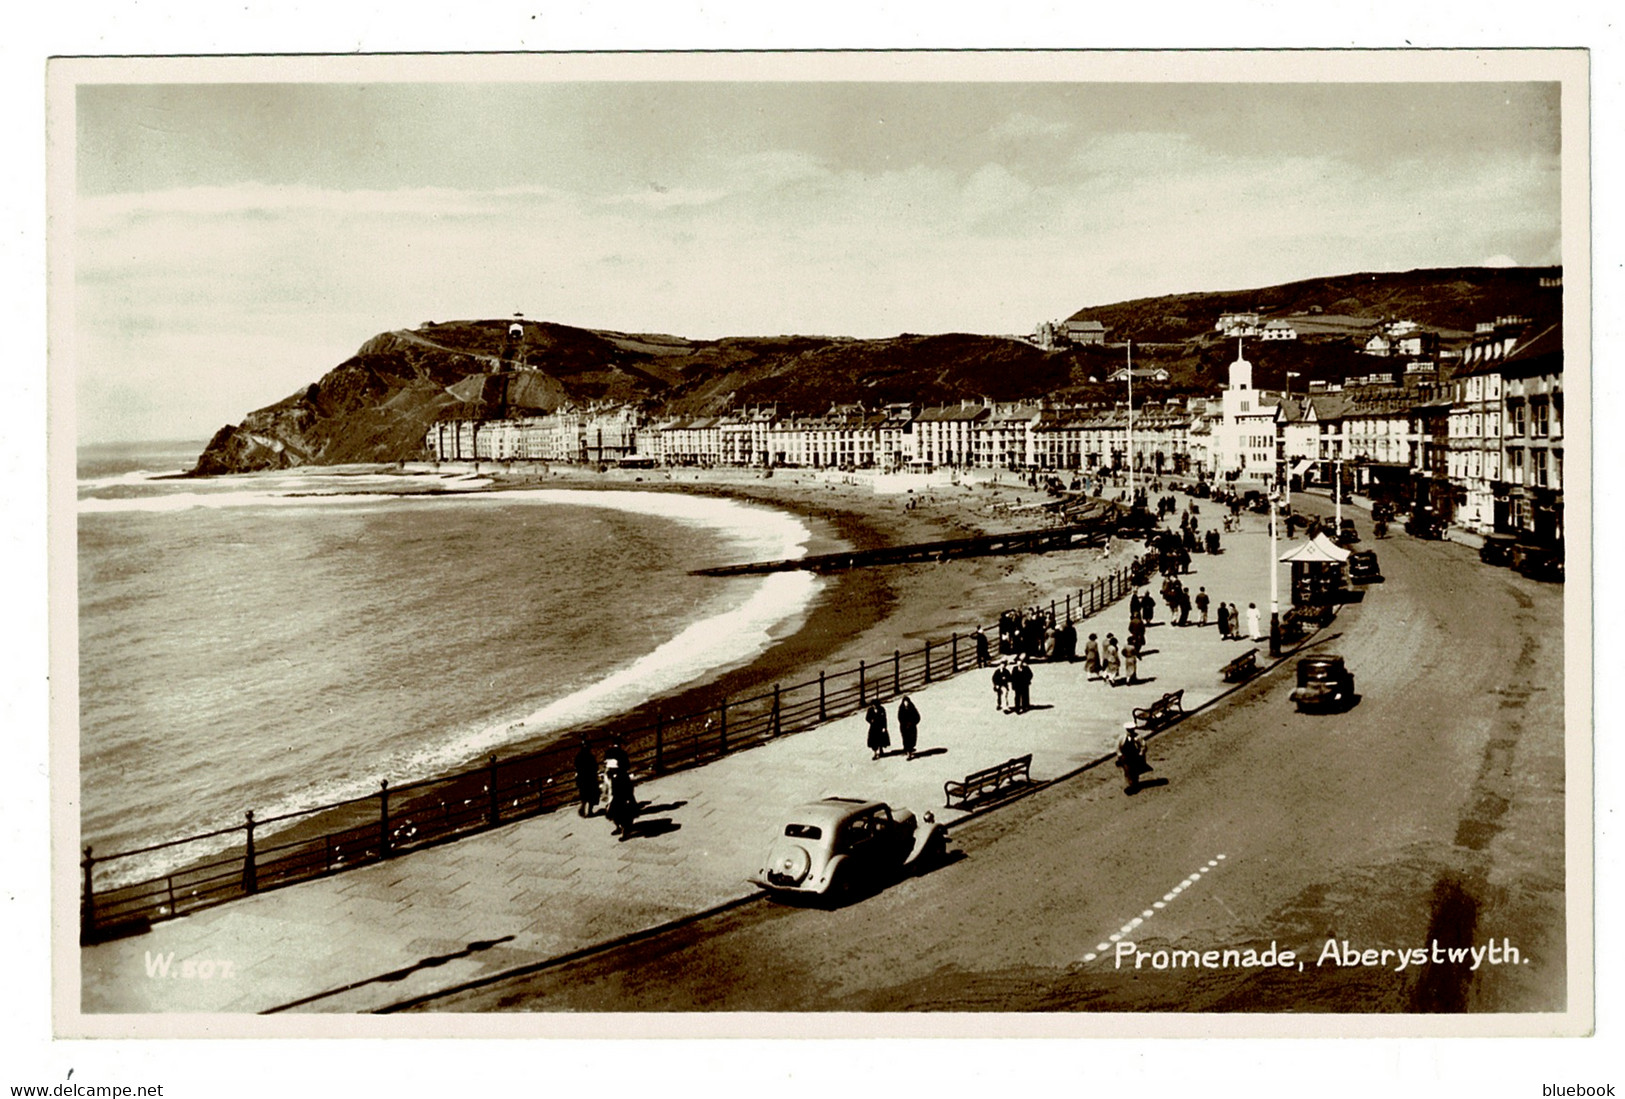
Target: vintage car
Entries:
(836, 846)
(1497, 549)
(1323, 683)
(1363, 567)
(1347, 533)
(1425, 524)
(1538, 562)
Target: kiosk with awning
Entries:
(1317, 573)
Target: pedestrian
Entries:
(981, 648)
(1021, 678)
(623, 803)
(908, 724)
(1202, 605)
(1066, 643)
(1252, 621)
(1224, 621)
(1091, 657)
(587, 789)
(1131, 757)
(1114, 665)
(879, 738)
(1184, 606)
(617, 752)
(1001, 680)
(1131, 663)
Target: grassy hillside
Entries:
(378, 404)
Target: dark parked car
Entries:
(1347, 533)
(1363, 567)
(1425, 524)
(1539, 562)
(1323, 683)
(1497, 549)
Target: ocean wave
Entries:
(763, 610)
(286, 492)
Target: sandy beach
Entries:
(867, 613)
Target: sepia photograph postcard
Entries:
(821, 544)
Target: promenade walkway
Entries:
(540, 888)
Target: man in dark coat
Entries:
(1021, 678)
(879, 738)
(586, 766)
(623, 803)
(908, 724)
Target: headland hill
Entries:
(379, 404)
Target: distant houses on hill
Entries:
(1477, 441)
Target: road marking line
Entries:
(1167, 898)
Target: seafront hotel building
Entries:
(1481, 445)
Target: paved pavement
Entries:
(540, 888)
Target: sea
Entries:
(277, 641)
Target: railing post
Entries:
(722, 737)
(495, 812)
(822, 713)
(251, 877)
(928, 660)
(1069, 606)
(954, 641)
(897, 671)
(777, 728)
(383, 818)
(87, 901)
(862, 689)
(660, 743)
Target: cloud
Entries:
(247, 292)
(1022, 127)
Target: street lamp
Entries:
(1337, 494)
(1130, 428)
(1275, 583)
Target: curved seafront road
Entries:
(1433, 810)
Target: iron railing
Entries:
(324, 839)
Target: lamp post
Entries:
(1275, 583)
(1337, 494)
(1130, 429)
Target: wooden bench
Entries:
(1161, 712)
(1242, 667)
(988, 780)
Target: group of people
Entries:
(1013, 679)
(1230, 623)
(1112, 662)
(1035, 635)
(908, 727)
(615, 780)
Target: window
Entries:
(1515, 420)
(1540, 414)
(1539, 459)
(1515, 465)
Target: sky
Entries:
(231, 242)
